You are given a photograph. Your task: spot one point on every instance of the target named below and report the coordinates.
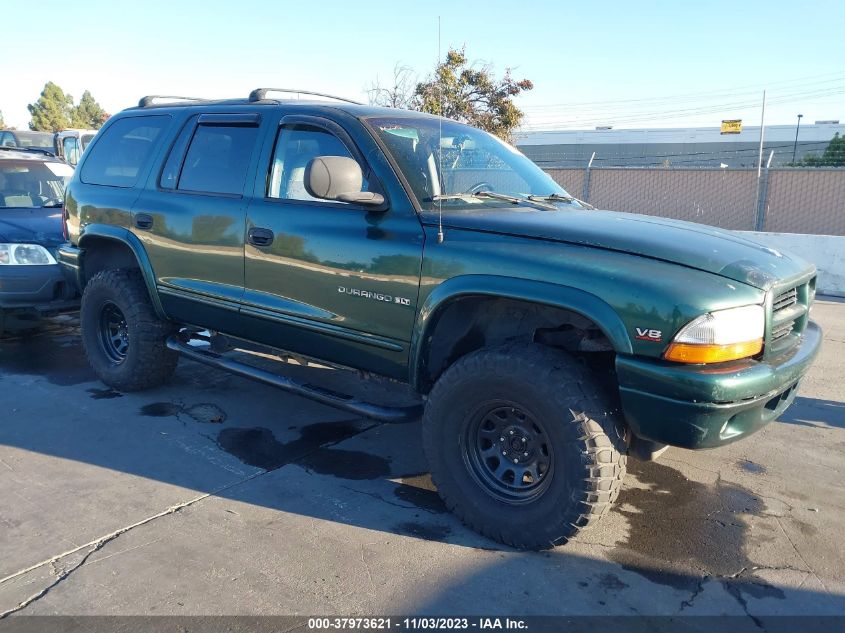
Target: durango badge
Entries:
(646, 334)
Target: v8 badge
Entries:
(646, 334)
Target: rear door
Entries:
(191, 216)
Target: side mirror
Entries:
(338, 178)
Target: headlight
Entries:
(719, 336)
(25, 255)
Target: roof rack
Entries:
(259, 94)
(151, 99)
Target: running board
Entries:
(319, 394)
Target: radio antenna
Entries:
(439, 142)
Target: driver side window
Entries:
(296, 146)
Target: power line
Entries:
(804, 81)
(658, 115)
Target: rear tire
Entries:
(123, 337)
(524, 445)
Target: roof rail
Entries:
(151, 99)
(259, 94)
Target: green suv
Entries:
(547, 340)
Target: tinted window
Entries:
(295, 147)
(119, 156)
(217, 159)
(173, 165)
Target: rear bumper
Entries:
(41, 289)
(693, 406)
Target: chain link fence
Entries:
(788, 200)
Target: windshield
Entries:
(471, 160)
(86, 138)
(32, 183)
(35, 139)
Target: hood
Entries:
(686, 243)
(36, 225)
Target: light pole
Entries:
(795, 144)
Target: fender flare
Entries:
(131, 241)
(565, 297)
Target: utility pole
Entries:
(762, 126)
(795, 144)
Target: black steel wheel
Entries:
(114, 333)
(508, 452)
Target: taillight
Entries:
(65, 232)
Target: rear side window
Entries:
(118, 158)
(217, 159)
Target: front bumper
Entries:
(41, 289)
(694, 406)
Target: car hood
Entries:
(36, 225)
(686, 243)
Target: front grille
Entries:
(782, 330)
(788, 316)
(785, 299)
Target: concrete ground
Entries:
(215, 495)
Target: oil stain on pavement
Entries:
(683, 531)
(104, 394)
(258, 447)
(204, 412)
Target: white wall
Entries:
(827, 252)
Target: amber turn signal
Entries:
(709, 353)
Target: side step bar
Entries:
(319, 394)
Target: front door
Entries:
(330, 279)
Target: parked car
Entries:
(32, 285)
(547, 339)
(71, 143)
(27, 138)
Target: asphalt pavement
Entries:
(217, 495)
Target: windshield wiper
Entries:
(495, 196)
(556, 197)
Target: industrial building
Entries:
(675, 147)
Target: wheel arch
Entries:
(476, 294)
(105, 247)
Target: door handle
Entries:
(144, 221)
(260, 237)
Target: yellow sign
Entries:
(733, 126)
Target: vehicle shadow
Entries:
(815, 412)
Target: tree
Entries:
(2, 122)
(52, 111)
(833, 155)
(471, 94)
(399, 95)
(88, 114)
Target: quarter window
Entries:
(218, 159)
(119, 156)
(296, 146)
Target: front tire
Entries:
(123, 337)
(524, 445)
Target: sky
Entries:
(626, 64)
